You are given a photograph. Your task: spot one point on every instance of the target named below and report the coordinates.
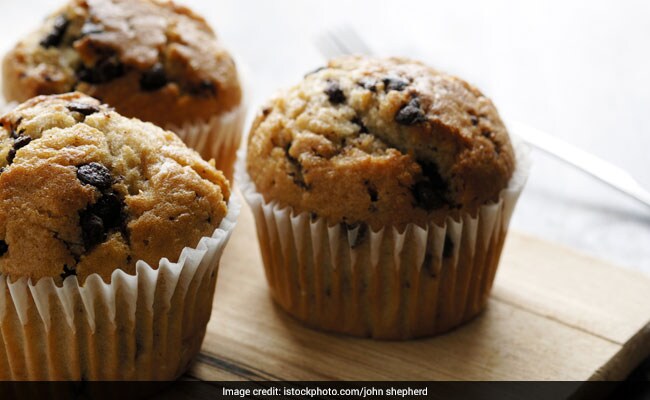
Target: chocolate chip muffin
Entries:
(84, 190)
(111, 232)
(156, 61)
(384, 157)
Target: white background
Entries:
(579, 70)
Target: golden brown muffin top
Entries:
(157, 61)
(382, 141)
(84, 190)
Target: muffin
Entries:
(99, 215)
(382, 191)
(156, 61)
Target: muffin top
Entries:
(84, 190)
(380, 141)
(156, 61)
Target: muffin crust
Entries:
(153, 60)
(380, 141)
(84, 190)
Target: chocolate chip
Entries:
(474, 119)
(204, 88)
(98, 219)
(372, 191)
(108, 70)
(55, 37)
(153, 79)
(296, 172)
(425, 196)
(109, 209)
(334, 92)
(104, 71)
(95, 174)
(432, 173)
(82, 108)
(124, 226)
(448, 248)
(14, 127)
(395, 83)
(68, 272)
(410, 114)
(92, 229)
(368, 84)
(362, 127)
(89, 28)
(84, 74)
(4, 247)
(430, 192)
(19, 143)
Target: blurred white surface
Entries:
(579, 70)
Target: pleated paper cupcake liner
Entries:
(388, 284)
(146, 326)
(218, 138)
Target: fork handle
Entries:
(606, 172)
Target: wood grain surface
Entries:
(554, 315)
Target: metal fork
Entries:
(344, 40)
(340, 41)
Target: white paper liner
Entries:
(386, 284)
(217, 138)
(146, 326)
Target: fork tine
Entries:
(329, 46)
(354, 41)
(326, 47)
(341, 43)
(342, 40)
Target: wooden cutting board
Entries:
(553, 315)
